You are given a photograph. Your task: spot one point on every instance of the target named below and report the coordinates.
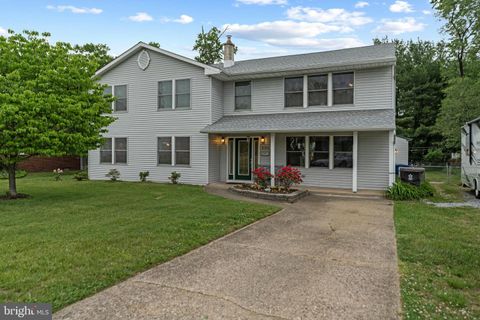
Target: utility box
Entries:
(413, 176)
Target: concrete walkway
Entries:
(320, 258)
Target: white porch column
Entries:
(355, 161)
(307, 152)
(331, 157)
(391, 157)
(272, 157)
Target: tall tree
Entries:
(50, 105)
(419, 93)
(154, 44)
(209, 46)
(462, 24)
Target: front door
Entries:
(243, 159)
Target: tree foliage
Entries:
(419, 95)
(209, 46)
(462, 24)
(154, 44)
(50, 105)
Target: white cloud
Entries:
(3, 32)
(401, 6)
(321, 44)
(141, 17)
(74, 9)
(361, 4)
(399, 26)
(263, 2)
(426, 12)
(335, 16)
(184, 19)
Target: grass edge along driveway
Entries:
(439, 255)
(72, 239)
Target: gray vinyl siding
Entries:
(373, 160)
(373, 90)
(142, 123)
(217, 99)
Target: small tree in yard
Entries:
(50, 105)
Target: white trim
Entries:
(391, 158)
(331, 152)
(305, 91)
(355, 161)
(330, 90)
(174, 94)
(272, 157)
(209, 70)
(307, 152)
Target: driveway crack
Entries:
(215, 297)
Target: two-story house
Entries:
(331, 114)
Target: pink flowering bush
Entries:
(288, 176)
(261, 177)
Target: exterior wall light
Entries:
(262, 139)
(222, 140)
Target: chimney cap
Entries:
(229, 39)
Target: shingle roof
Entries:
(380, 119)
(382, 53)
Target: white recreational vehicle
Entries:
(471, 155)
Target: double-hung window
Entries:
(165, 100)
(113, 151)
(296, 151)
(318, 90)
(319, 151)
(343, 152)
(120, 94)
(174, 151)
(243, 95)
(106, 151)
(174, 94)
(343, 88)
(293, 92)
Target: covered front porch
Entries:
(328, 158)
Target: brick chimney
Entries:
(228, 52)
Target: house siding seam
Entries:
(142, 124)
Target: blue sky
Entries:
(259, 27)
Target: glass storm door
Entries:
(243, 159)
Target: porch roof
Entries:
(358, 120)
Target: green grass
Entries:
(448, 187)
(439, 253)
(72, 239)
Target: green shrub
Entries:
(143, 175)
(113, 174)
(174, 177)
(19, 174)
(81, 175)
(406, 191)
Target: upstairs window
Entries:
(182, 94)
(317, 90)
(165, 95)
(293, 92)
(343, 88)
(120, 103)
(343, 154)
(243, 95)
(296, 151)
(319, 151)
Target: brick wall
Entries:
(38, 164)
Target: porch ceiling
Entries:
(358, 120)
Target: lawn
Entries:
(439, 253)
(72, 239)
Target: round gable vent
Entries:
(143, 60)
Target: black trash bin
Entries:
(413, 176)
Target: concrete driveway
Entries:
(321, 258)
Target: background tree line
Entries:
(438, 84)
